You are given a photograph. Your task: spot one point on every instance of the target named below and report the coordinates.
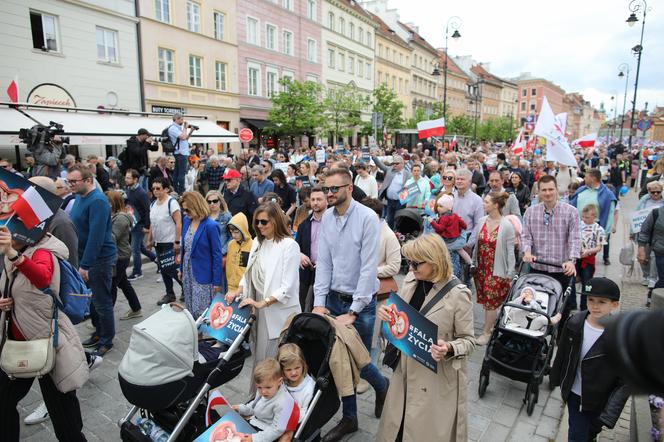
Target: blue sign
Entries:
(230, 427)
(411, 332)
(225, 322)
(644, 125)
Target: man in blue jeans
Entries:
(139, 201)
(97, 254)
(177, 132)
(346, 280)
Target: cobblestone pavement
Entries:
(499, 416)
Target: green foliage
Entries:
(343, 110)
(459, 125)
(297, 109)
(496, 129)
(385, 101)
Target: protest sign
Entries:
(230, 427)
(25, 208)
(302, 181)
(225, 322)
(283, 167)
(409, 193)
(410, 332)
(638, 217)
(366, 155)
(320, 156)
(166, 262)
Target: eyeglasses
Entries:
(73, 182)
(655, 192)
(333, 189)
(157, 188)
(5, 166)
(448, 177)
(262, 222)
(213, 201)
(414, 264)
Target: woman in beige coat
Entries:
(422, 405)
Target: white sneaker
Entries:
(95, 361)
(651, 283)
(645, 282)
(38, 416)
(362, 386)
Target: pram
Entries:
(159, 377)
(520, 353)
(408, 224)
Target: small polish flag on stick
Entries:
(12, 90)
(31, 208)
(519, 143)
(215, 400)
(586, 140)
(453, 143)
(431, 128)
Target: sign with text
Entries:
(411, 332)
(170, 110)
(246, 135)
(320, 156)
(49, 94)
(638, 217)
(225, 322)
(166, 261)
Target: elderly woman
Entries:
(421, 404)
(200, 254)
(26, 271)
(654, 175)
(652, 200)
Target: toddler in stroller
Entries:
(535, 319)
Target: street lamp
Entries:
(613, 123)
(623, 68)
(452, 23)
(634, 7)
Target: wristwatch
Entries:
(16, 258)
(352, 313)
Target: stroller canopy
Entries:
(408, 221)
(162, 348)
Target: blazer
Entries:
(205, 251)
(389, 176)
(504, 261)
(282, 282)
(303, 239)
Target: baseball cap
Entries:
(602, 288)
(143, 131)
(230, 174)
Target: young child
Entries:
(526, 319)
(594, 394)
(451, 227)
(239, 247)
(298, 382)
(593, 238)
(272, 408)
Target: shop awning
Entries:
(103, 128)
(258, 124)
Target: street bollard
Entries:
(657, 299)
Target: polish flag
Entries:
(519, 143)
(431, 128)
(385, 134)
(215, 400)
(31, 208)
(586, 140)
(12, 90)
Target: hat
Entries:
(230, 174)
(603, 288)
(111, 159)
(143, 131)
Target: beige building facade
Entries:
(457, 86)
(508, 99)
(423, 85)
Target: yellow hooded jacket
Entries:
(238, 253)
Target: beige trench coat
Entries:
(436, 403)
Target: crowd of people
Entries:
(317, 229)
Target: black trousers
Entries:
(63, 408)
(120, 280)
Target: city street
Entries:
(500, 415)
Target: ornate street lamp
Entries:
(634, 7)
(453, 23)
(623, 69)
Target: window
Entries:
(369, 39)
(220, 75)
(312, 78)
(368, 66)
(311, 10)
(163, 10)
(400, 85)
(361, 36)
(387, 53)
(193, 17)
(271, 83)
(342, 25)
(532, 106)
(271, 37)
(44, 31)
(380, 77)
(330, 21)
(195, 69)
(288, 4)
(342, 62)
(219, 25)
(253, 77)
(311, 50)
(330, 58)
(524, 92)
(252, 31)
(360, 68)
(351, 31)
(107, 43)
(351, 65)
(166, 66)
(533, 92)
(394, 83)
(288, 42)
(380, 50)
(401, 58)
(287, 77)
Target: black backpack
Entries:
(166, 144)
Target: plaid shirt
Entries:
(554, 237)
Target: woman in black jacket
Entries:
(520, 190)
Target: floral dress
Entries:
(491, 290)
(197, 297)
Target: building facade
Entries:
(582, 118)
(189, 53)
(490, 92)
(424, 85)
(508, 99)
(457, 86)
(531, 93)
(276, 39)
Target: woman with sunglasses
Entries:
(222, 216)
(447, 181)
(271, 281)
(421, 404)
(200, 255)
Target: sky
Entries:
(577, 44)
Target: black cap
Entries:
(143, 131)
(602, 288)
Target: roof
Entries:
(352, 4)
(385, 31)
(485, 75)
(417, 38)
(451, 65)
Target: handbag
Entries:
(387, 286)
(29, 359)
(392, 354)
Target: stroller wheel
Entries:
(484, 382)
(532, 394)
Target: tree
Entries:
(343, 110)
(459, 125)
(296, 110)
(386, 102)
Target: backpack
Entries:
(75, 296)
(166, 143)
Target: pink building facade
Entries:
(276, 39)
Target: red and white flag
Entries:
(552, 129)
(519, 143)
(431, 128)
(385, 134)
(454, 142)
(215, 400)
(31, 208)
(586, 140)
(12, 90)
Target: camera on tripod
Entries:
(40, 134)
(191, 126)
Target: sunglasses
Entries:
(448, 177)
(157, 188)
(213, 201)
(414, 264)
(333, 189)
(655, 192)
(262, 222)
(73, 182)
(547, 218)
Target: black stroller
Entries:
(408, 224)
(178, 406)
(520, 353)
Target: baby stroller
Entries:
(316, 337)
(408, 224)
(159, 377)
(520, 353)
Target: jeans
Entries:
(143, 182)
(605, 249)
(584, 275)
(364, 324)
(583, 425)
(390, 210)
(120, 280)
(137, 247)
(181, 165)
(659, 260)
(168, 276)
(100, 282)
(63, 408)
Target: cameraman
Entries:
(135, 156)
(47, 154)
(180, 139)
